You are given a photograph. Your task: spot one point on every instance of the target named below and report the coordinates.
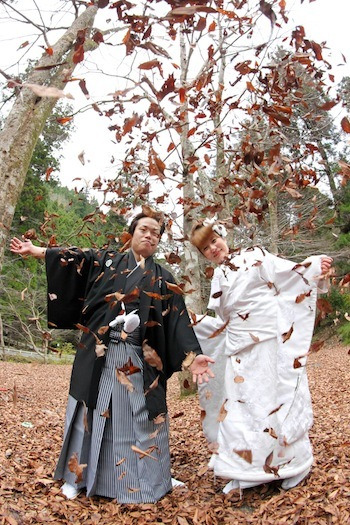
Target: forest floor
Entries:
(32, 407)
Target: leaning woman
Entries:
(257, 410)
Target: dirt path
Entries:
(31, 419)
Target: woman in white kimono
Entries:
(257, 411)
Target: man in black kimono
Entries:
(135, 333)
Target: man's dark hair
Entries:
(157, 217)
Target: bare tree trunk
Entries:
(191, 256)
(331, 181)
(27, 118)
(2, 342)
(273, 219)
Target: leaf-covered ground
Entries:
(32, 406)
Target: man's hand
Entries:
(200, 369)
(21, 247)
(26, 247)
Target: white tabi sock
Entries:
(177, 483)
(231, 485)
(69, 491)
(289, 483)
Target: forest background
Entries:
(215, 109)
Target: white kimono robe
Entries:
(257, 411)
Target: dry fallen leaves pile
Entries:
(32, 400)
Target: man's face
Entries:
(146, 237)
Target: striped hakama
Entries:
(113, 469)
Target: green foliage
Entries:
(34, 197)
(63, 347)
(76, 220)
(340, 301)
(343, 240)
(31, 205)
(343, 220)
(23, 301)
(344, 331)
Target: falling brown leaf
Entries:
(254, 337)
(316, 346)
(154, 434)
(158, 420)
(165, 312)
(222, 412)
(129, 368)
(103, 330)
(151, 356)
(152, 386)
(132, 490)
(324, 306)
(178, 414)
(187, 362)
(293, 193)
(83, 328)
(174, 288)
(151, 324)
(157, 296)
(245, 454)
(271, 432)
(126, 298)
(286, 336)
(76, 468)
(124, 380)
(297, 363)
(345, 124)
(143, 453)
(194, 319)
(209, 272)
(63, 120)
(47, 91)
(300, 298)
(14, 395)
(219, 330)
(85, 418)
(275, 409)
(268, 468)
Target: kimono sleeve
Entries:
(297, 286)
(180, 337)
(67, 273)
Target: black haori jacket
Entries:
(79, 286)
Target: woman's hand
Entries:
(326, 263)
(200, 369)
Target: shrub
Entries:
(344, 331)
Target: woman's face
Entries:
(215, 249)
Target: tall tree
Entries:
(34, 103)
